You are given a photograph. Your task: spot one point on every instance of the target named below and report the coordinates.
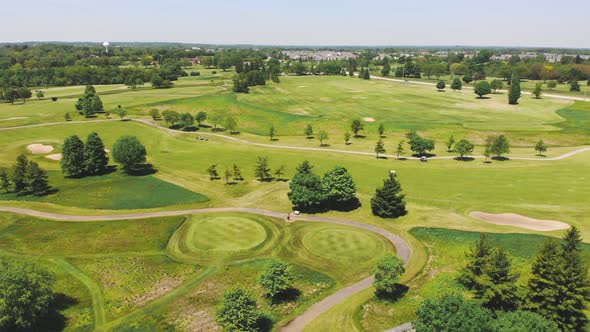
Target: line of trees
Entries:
(79, 159)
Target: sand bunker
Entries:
(369, 119)
(39, 148)
(55, 156)
(107, 150)
(512, 219)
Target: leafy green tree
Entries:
(279, 172)
(307, 192)
(450, 143)
(5, 181)
(67, 116)
(216, 119)
(276, 278)
(464, 147)
(387, 271)
(121, 112)
(40, 94)
(347, 138)
(496, 85)
(238, 311)
(541, 147)
(538, 90)
(271, 132)
(212, 170)
(231, 124)
(37, 179)
(186, 120)
(545, 281)
(155, 114)
(574, 86)
(380, 147)
(482, 88)
(452, 313)
(367, 74)
(381, 130)
(25, 93)
(171, 117)
(418, 144)
(478, 259)
(241, 83)
(440, 85)
(386, 70)
(456, 84)
(514, 92)
(498, 289)
(322, 136)
(95, 156)
(389, 201)
(73, 161)
(262, 171)
(309, 131)
(19, 174)
(129, 152)
(499, 145)
(400, 148)
(551, 85)
(26, 295)
(467, 78)
(338, 187)
(356, 126)
(524, 321)
(89, 89)
(201, 117)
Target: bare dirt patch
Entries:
(55, 156)
(516, 220)
(368, 119)
(39, 148)
(161, 288)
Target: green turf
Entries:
(225, 234)
(339, 244)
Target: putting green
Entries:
(339, 243)
(225, 234)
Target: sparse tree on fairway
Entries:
(514, 93)
(129, 152)
(67, 116)
(322, 136)
(524, 321)
(72, 160)
(418, 144)
(186, 120)
(487, 153)
(482, 88)
(389, 201)
(499, 145)
(95, 156)
(381, 130)
(379, 147)
(231, 124)
(238, 311)
(227, 176)
(37, 179)
(541, 147)
(271, 132)
(347, 138)
(440, 85)
(387, 271)
(450, 143)
(216, 118)
(309, 131)
(25, 93)
(452, 313)
(212, 170)
(121, 112)
(262, 171)
(456, 84)
(279, 172)
(551, 85)
(464, 147)
(155, 114)
(538, 90)
(237, 173)
(496, 85)
(26, 295)
(201, 117)
(40, 94)
(467, 78)
(276, 278)
(171, 117)
(400, 148)
(356, 126)
(5, 181)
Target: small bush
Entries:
(195, 73)
(53, 98)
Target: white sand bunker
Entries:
(55, 156)
(516, 220)
(369, 119)
(39, 148)
(107, 150)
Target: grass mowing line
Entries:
(161, 301)
(93, 288)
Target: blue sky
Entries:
(303, 22)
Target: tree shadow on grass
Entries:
(427, 155)
(402, 158)
(324, 145)
(217, 129)
(399, 292)
(500, 158)
(274, 139)
(382, 157)
(359, 136)
(53, 320)
(289, 295)
(264, 323)
(142, 170)
(204, 126)
(310, 137)
(191, 129)
(464, 158)
(348, 206)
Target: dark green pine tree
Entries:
(514, 93)
(95, 156)
(498, 289)
(543, 286)
(37, 177)
(575, 286)
(389, 202)
(478, 260)
(72, 160)
(19, 175)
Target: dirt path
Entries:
(297, 324)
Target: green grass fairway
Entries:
(225, 234)
(115, 191)
(340, 244)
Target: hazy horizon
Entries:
(305, 23)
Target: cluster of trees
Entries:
(309, 192)
(262, 172)
(496, 146)
(27, 178)
(90, 103)
(418, 144)
(79, 159)
(177, 120)
(11, 94)
(558, 288)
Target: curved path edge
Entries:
(297, 324)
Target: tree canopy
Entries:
(129, 152)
